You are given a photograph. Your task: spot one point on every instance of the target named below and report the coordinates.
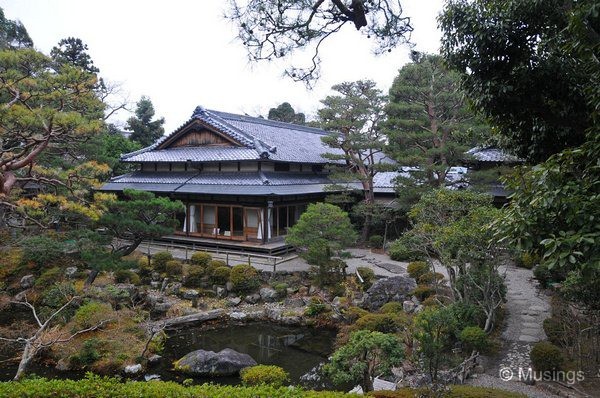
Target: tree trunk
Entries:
(91, 277)
(367, 383)
(489, 322)
(28, 354)
(123, 251)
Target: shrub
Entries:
(194, 276)
(400, 250)
(217, 263)
(127, 276)
(351, 314)
(368, 276)
(41, 250)
(48, 278)
(474, 338)
(87, 355)
(416, 269)
(220, 275)
(545, 356)
(384, 323)
(91, 314)
(553, 330)
(174, 268)
(431, 301)
(244, 278)
(393, 307)
(422, 292)
(281, 289)
(264, 374)
(528, 260)
(315, 307)
(144, 262)
(376, 241)
(160, 259)
(431, 278)
(201, 258)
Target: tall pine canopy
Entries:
(145, 130)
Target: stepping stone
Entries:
(527, 318)
(528, 339)
(531, 331)
(393, 268)
(533, 325)
(538, 308)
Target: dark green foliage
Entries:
(220, 275)
(285, 113)
(160, 260)
(144, 130)
(281, 289)
(49, 277)
(244, 278)
(88, 355)
(194, 277)
(474, 338)
(127, 276)
(376, 241)
(201, 258)
(393, 307)
(264, 374)
(141, 216)
(530, 90)
(55, 297)
(315, 307)
(422, 292)
(368, 276)
(430, 278)
(42, 250)
(366, 355)
(416, 269)
(174, 268)
(72, 51)
(545, 356)
(554, 330)
(384, 322)
(13, 34)
(401, 249)
(107, 147)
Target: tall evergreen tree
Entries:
(13, 34)
(145, 131)
(285, 113)
(354, 119)
(73, 51)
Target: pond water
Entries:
(298, 350)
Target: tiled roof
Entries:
(230, 183)
(489, 154)
(261, 139)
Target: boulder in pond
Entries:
(226, 362)
(395, 288)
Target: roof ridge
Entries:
(260, 120)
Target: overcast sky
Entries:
(183, 53)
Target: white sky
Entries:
(183, 53)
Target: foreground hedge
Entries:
(103, 387)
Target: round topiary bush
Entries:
(393, 307)
(384, 323)
(160, 260)
(474, 339)
(144, 262)
(422, 292)
(174, 268)
(400, 251)
(545, 356)
(281, 289)
(416, 269)
(220, 275)
(200, 258)
(264, 374)
(244, 278)
(430, 278)
(194, 277)
(127, 276)
(376, 241)
(217, 263)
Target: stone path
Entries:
(526, 308)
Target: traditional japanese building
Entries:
(241, 178)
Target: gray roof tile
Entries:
(490, 154)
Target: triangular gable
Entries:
(196, 134)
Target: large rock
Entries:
(268, 295)
(209, 363)
(395, 288)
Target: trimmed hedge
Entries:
(244, 278)
(264, 374)
(103, 387)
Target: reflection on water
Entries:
(297, 350)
